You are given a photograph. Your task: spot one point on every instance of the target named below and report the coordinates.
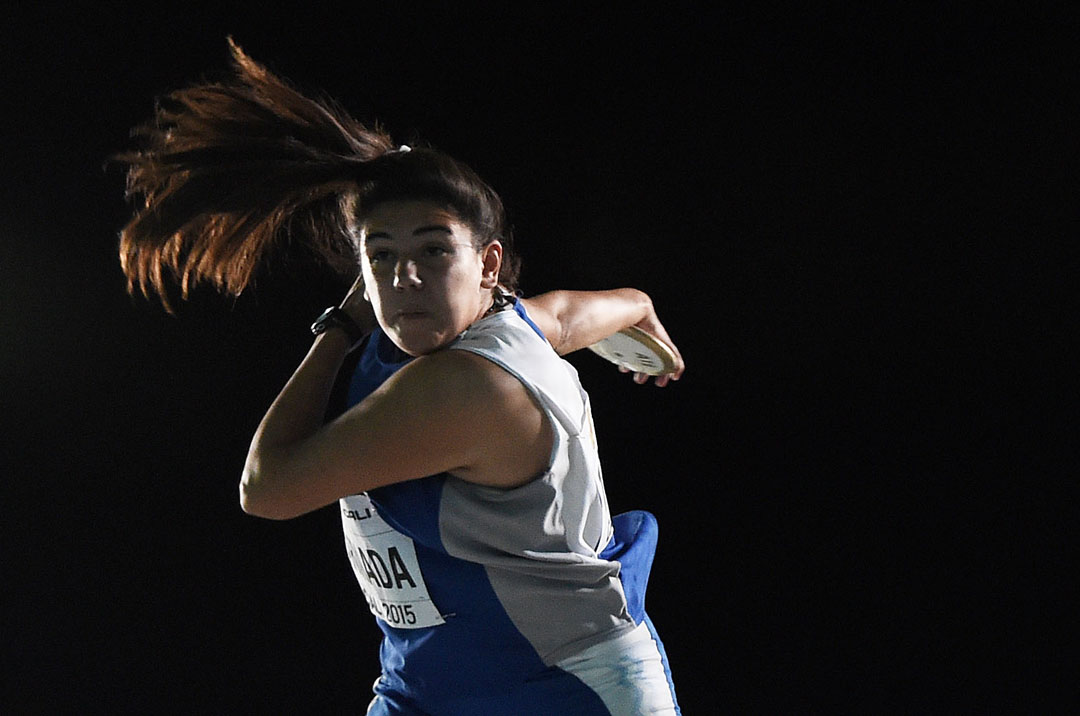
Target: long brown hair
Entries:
(231, 171)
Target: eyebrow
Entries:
(416, 232)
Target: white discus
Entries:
(637, 351)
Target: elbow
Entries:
(643, 301)
(249, 500)
(252, 499)
(259, 501)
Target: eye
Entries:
(379, 255)
(435, 250)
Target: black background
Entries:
(856, 225)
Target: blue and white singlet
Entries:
(508, 601)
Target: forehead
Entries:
(402, 218)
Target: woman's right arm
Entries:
(450, 411)
(572, 320)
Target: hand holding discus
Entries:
(644, 349)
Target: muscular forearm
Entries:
(581, 318)
(575, 319)
(295, 414)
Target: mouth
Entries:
(409, 313)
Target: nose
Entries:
(405, 275)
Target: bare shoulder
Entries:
(516, 436)
(460, 391)
(463, 375)
(478, 384)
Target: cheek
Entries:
(374, 288)
(377, 276)
(467, 273)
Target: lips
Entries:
(408, 313)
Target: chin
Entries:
(418, 345)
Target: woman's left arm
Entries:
(572, 320)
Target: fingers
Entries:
(660, 380)
(356, 288)
(679, 368)
(653, 325)
(357, 305)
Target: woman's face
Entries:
(425, 278)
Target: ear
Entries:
(491, 255)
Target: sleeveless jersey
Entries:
(507, 601)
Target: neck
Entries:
(498, 301)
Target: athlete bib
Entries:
(385, 564)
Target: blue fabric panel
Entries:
(519, 309)
(633, 545)
(553, 692)
(476, 655)
(371, 371)
(412, 508)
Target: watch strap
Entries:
(335, 317)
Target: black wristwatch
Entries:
(334, 317)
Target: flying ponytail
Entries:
(231, 171)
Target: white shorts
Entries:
(627, 674)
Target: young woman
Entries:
(465, 464)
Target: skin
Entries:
(572, 320)
(425, 281)
(421, 320)
(423, 275)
